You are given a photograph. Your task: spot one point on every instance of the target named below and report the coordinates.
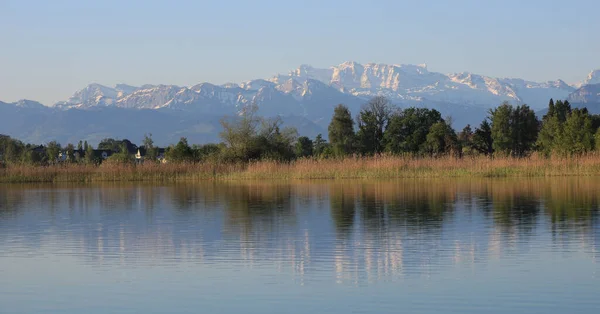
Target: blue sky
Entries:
(49, 49)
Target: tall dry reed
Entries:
(347, 168)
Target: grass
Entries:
(380, 167)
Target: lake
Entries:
(411, 246)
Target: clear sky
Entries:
(49, 49)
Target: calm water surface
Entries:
(412, 246)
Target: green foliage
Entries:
(407, 130)
(181, 152)
(249, 137)
(514, 130)
(525, 127)
(151, 150)
(440, 140)
(550, 132)
(116, 145)
(465, 141)
(482, 139)
(341, 132)
(90, 156)
(501, 129)
(319, 145)
(597, 137)
(70, 151)
(577, 136)
(206, 152)
(53, 148)
(372, 122)
(304, 147)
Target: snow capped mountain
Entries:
(305, 97)
(592, 78)
(30, 104)
(586, 94)
(415, 83)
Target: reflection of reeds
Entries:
(371, 167)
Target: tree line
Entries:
(379, 128)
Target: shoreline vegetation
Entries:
(379, 167)
(381, 142)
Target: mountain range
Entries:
(304, 98)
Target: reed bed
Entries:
(348, 168)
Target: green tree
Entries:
(482, 139)
(549, 135)
(90, 156)
(239, 134)
(274, 142)
(441, 139)
(204, 152)
(372, 122)
(525, 128)
(80, 146)
(341, 132)
(407, 130)
(502, 133)
(85, 146)
(465, 140)
(552, 127)
(304, 147)
(319, 145)
(70, 151)
(597, 136)
(578, 136)
(562, 110)
(151, 151)
(53, 148)
(181, 152)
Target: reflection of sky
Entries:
(153, 249)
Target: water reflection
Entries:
(354, 232)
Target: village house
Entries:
(80, 154)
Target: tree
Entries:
(525, 128)
(562, 110)
(407, 130)
(85, 146)
(80, 146)
(552, 127)
(90, 156)
(514, 130)
(181, 152)
(341, 131)
(70, 151)
(501, 129)
(550, 132)
(319, 145)
(597, 136)
(372, 122)
(482, 139)
(441, 139)
(151, 151)
(53, 150)
(304, 147)
(578, 136)
(203, 152)
(465, 140)
(238, 133)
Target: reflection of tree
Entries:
(257, 207)
(11, 199)
(343, 208)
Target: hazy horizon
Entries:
(54, 49)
